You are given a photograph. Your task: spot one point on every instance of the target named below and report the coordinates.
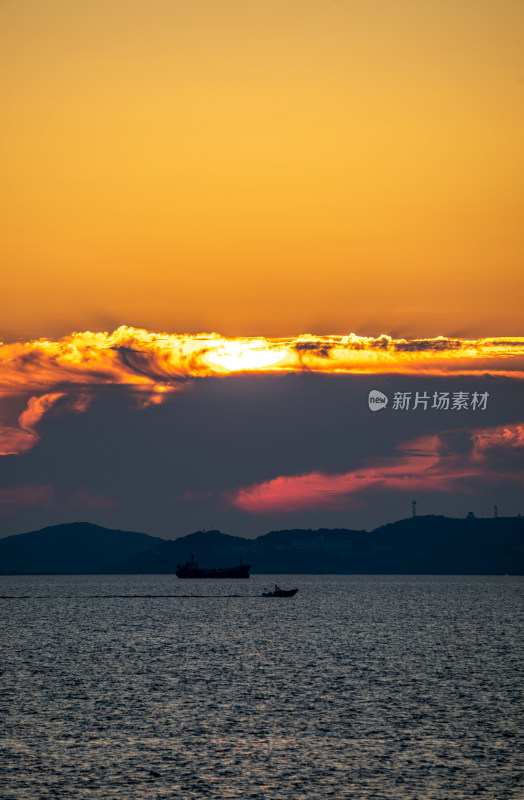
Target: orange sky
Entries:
(262, 168)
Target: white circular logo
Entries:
(377, 400)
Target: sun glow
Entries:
(245, 356)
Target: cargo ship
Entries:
(191, 570)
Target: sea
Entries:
(363, 687)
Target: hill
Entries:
(210, 548)
(418, 545)
(76, 547)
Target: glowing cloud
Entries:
(17, 440)
(36, 408)
(157, 362)
(508, 436)
(421, 467)
(153, 365)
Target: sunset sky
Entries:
(223, 223)
(271, 167)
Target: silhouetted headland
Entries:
(73, 548)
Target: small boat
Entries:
(278, 592)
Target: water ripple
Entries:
(359, 687)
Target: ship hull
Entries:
(228, 572)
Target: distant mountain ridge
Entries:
(75, 547)
(418, 545)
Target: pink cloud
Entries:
(85, 498)
(422, 466)
(16, 498)
(36, 408)
(507, 436)
(16, 440)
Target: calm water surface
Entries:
(359, 687)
